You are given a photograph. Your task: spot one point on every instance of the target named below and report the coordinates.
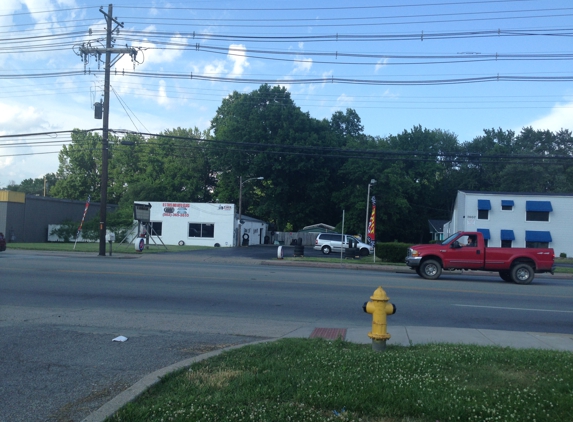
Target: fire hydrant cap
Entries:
(379, 294)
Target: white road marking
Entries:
(515, 309)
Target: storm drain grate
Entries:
(329, 333)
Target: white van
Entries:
(332, 242)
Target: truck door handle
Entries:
(478, 252)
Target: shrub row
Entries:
(392, 252)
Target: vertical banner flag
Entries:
(372, 224)
(83, 218)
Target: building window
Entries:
(537, 216)
(507, 237)
(156, 228)
(536, 244)
(201, 230)
(507, 205)
(484, 205)
(486, 236)
(537, 239)
(537, 210)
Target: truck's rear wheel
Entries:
(505, 275)
(522, 273)
(430, 269)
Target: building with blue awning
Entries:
(514, 219)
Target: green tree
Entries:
(37, 186)
(79, 172)
(415, 189)
(298, 184)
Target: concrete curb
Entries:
(137, 389)
(392, 268)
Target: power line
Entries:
(281, 9)
(298, 81)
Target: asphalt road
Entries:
(59, 313)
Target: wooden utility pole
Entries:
(105, 133)
(85, 51)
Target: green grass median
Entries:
(319, 380)
(93, 247)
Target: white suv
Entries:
(332, 242)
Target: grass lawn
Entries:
(94, 247)
(320, 380)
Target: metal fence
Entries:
(286, 238)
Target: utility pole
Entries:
(85, 51)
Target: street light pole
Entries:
(241, 203)
(372, 182)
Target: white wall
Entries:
(176, 216)
(560, 224)
(256, 230)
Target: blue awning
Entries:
(538, 206)
(507, 203)
(507, 234)
(535, 236)
(484, 204)
(485, 232)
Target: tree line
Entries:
(313, 169)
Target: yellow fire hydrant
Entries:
(379, 307)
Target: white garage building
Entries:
(516, 219)
(201, 224)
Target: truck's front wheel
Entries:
(430, 269)
(522, 273)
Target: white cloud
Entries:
(162, 95)
(380, 64)
(302, 65)
(15, 119)
(237, 54)
(214, 69)
(344, 101)
(560, 117)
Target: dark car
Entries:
(2, 242)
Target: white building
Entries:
(201, 224)
(516, 219)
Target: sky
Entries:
(460, 66)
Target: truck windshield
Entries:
(449, 239)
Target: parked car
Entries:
(332, 242)
(2, 242)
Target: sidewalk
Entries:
(409, 336)
(401, 335)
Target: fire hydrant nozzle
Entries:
(379, 307)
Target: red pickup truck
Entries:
(467, 251)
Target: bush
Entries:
(118, 222)
(67, 230)
(392, 252)
(562, 255)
